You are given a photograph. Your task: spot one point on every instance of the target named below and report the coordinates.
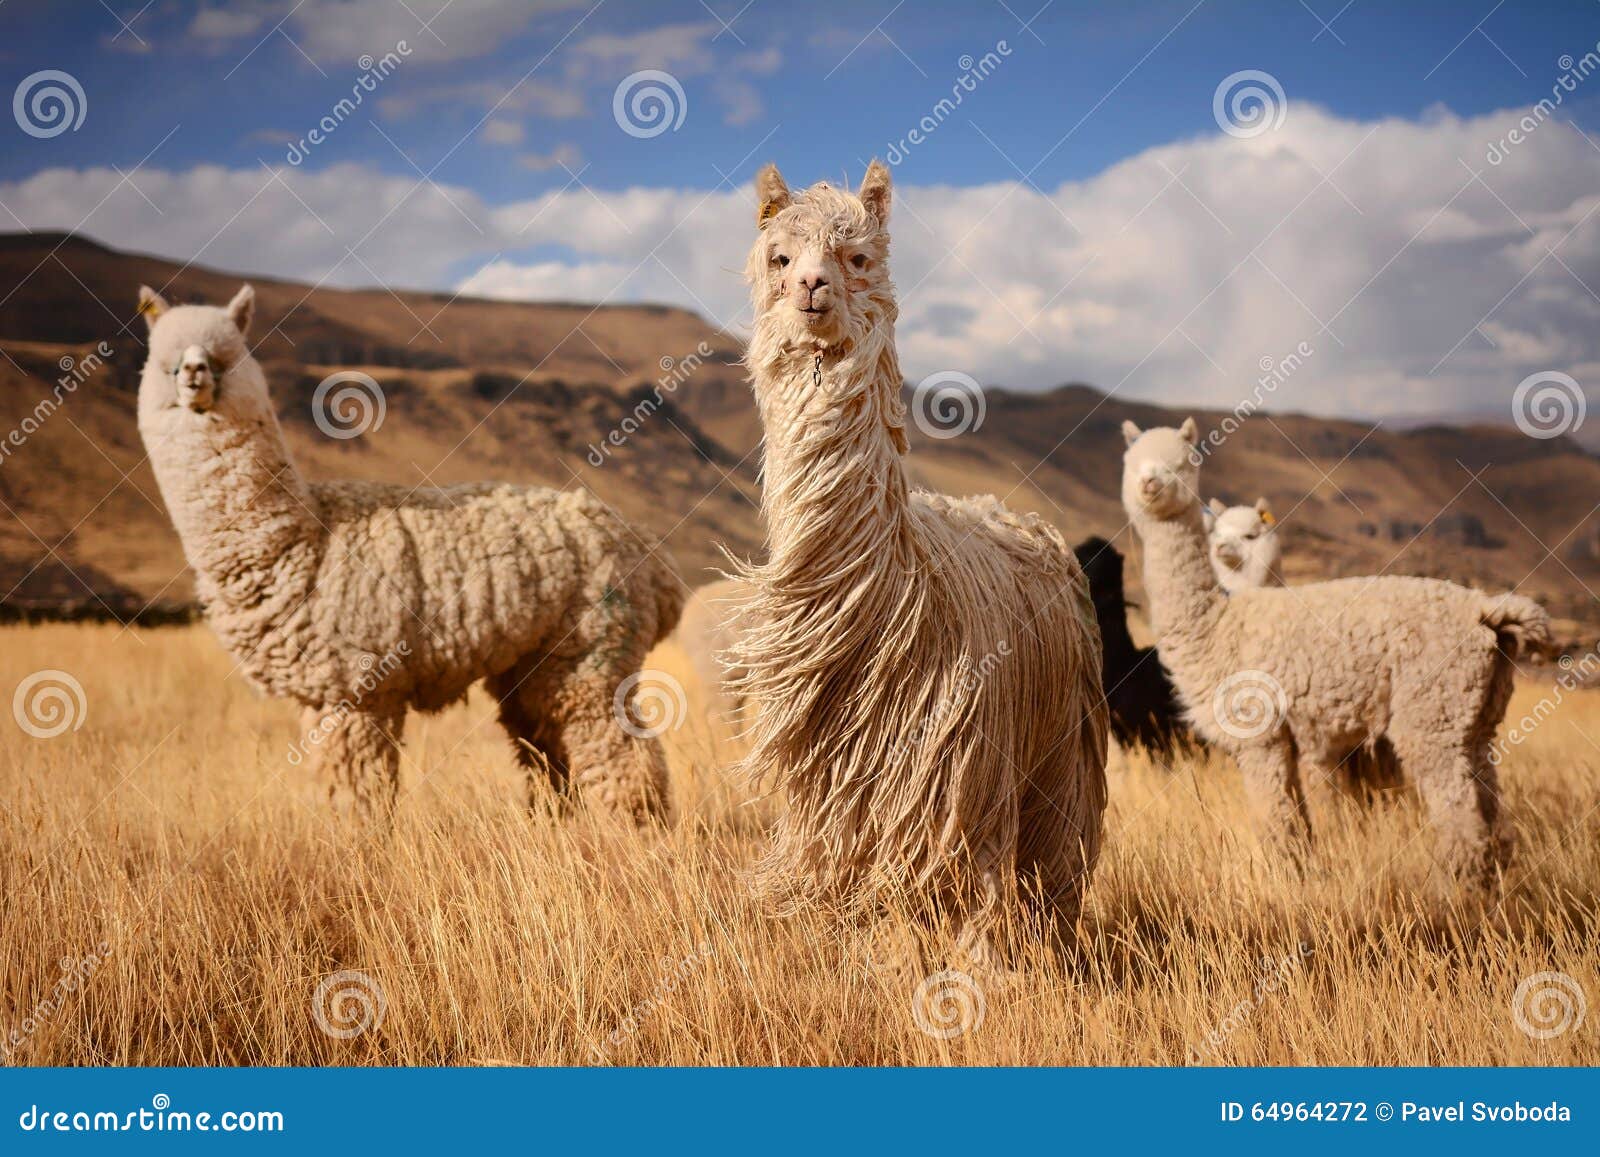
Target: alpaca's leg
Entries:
(1446, 753)
(1277, 800)
(359, 753)
(602, 756)
(1462, 803)
(535, 741)
(1369, 771)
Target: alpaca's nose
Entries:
(1230, 553)
(814, 281)
(1151, 486)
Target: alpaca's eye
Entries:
(860, 261)
(781, 260)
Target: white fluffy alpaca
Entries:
(1244, 545)
(317, 589)
(1245, 554)
(1287, 679)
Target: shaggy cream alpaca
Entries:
(924, 669)
(1292, 679)
(358, 599)
(1244, 545)
(1245, 554)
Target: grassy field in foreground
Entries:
(173, 891)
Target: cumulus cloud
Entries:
(1423, 277)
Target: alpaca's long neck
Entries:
(835, 494)
(245, 516)
(1185, 599)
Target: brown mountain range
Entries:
(543, 393)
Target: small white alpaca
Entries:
(925, 670)
(1292, 679)
(1244, 545)
(359, 599)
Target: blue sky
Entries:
(1084, 213)
(834, 90)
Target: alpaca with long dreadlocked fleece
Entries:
(1290, 680)
(925, 670)
(359, 599)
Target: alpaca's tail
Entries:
(1521, 625)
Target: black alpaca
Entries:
(1145, 709)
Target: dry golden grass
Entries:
(172, 829)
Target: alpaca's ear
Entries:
(1216, 507)
(1208, 515)
(152, 305)
(1265, 512)
(1189, 431)
(874, 192)
(243, 308)
(1130, 433)
(771, 194)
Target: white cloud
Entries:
(1170, 275)
(502, 131)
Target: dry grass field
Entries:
(173, 891)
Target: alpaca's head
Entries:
(1160, 478)
(1244, 543)
(199, 372)
(819, 271)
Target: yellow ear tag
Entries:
(1266, 517)
(769, 210)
